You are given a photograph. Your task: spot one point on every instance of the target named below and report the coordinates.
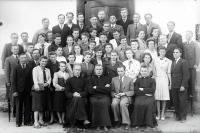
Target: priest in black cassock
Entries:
(76, 93)
(144, 106)
(99, 94)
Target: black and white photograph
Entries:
(99, 66)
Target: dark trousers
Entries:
(180, 103)
(23, 100)
(191, 81)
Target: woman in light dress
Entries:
(163, 81)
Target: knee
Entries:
(114, 104)
(123, 104)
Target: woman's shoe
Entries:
(157, 118)
(162, 118)
(37, 126)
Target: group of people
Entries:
(108, 73)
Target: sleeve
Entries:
(35, 80)
(7, 70)
(151, 89)
(84, 92)
(179, 42)
(3, 56)
(136, 88)
(14, 80)
(128, 34)
(121, 30)
(55, 82)
(35, 38)
(113, 92)
(49, 77)
(103, 89)
(169, 71)
(185, 73)
(68, 92)
(90, 86)
(131, 89)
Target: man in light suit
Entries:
(134, 29)
(114, 26)
(150, 25)
(174, 40)
(179, 85)
(10, 63)
(190, 54)
(122, 92)
(61, 29)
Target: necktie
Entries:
(23, 66)
(121, 84)
(44, 76)
(136, 26)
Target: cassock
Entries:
(100, 100)
(76, 106)
(144, 107)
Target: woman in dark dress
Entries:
(99, 95)
(144, 107)
(59, 82)
(111, 66)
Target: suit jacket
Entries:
(132, 31)
(128, 86)
(175, 41)
(87, 72)
(151, 26)
(7, 52)
(64, 33)
(190, 53)
(70, 29)
(10, 63)
(84, 29)
(118, 28)
(124, 25)
(179, 73)
(21, 81)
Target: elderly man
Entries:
(76, 94)
(122, 91)
(21, 89)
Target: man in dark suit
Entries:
(174, 40)
(150, 25)
(122, 92)
(7, 48)
(114, 26)
(61, 29)
(80, 22)
(21, 90)
(70, 25)
(179, 85)
(124, 21)
(134, 29)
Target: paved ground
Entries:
(192, 125)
